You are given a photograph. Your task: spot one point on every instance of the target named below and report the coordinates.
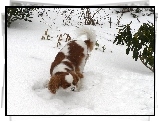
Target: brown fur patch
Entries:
(76, 54)
(58, 80)
(89, 44)
(69, 64)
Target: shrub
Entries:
(142, 43)
(135, 12)
(14, 14)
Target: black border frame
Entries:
(70, 7)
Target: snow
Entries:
(113, 84)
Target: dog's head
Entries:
(66, 80)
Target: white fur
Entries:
(65, 50)
(68, 61)
(88, 31)
(69, 78)
(83, 45)
(60, 68)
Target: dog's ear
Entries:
(54, 83)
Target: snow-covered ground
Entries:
(114, 83)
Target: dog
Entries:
(67, 69)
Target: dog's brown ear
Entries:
(54, 84)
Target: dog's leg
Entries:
(79, 74)
(79, 85)
(77, 70)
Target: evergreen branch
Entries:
(151, 68)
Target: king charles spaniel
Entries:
(67, 69)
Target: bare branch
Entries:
(96, 12)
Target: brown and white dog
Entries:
(67, 69)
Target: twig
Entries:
(138, 19)
(96, 12)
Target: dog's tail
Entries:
(91, 36)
